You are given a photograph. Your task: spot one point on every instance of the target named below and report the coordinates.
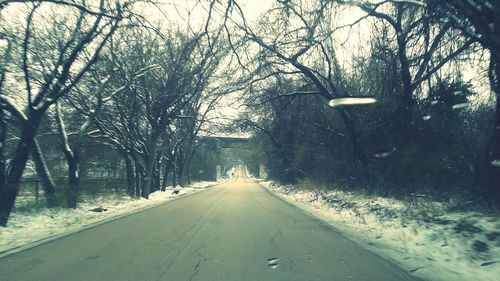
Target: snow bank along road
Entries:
(235, 231)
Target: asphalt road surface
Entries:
(234, 231)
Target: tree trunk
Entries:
(357, 148)
(157, 179)
(9, 190)
(3, 137)
(188, 163)
(188, 174)
(180, 174)
(174, 175)
(487, 174)
(130, 175)
(495, 153)
(148, 174)
(138, 178)
(156, 174)
(73, 160)
(73, 180)
(405, 105)
(493, 159)
(181, 160)
(44, 176)
(166, 172)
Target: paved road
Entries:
(226, 233)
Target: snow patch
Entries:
(428, 239)
(26, 227)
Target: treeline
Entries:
(124, 81)
(425, 117)
(100, 78)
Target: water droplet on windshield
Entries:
(272, 262)
(460, 106)
(496, 163)
(351, 101)
(383, 154)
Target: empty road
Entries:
(234, 231)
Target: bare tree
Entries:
(48, 78)
(295, 39)
(425, 43)
(480, 21)
(141, 119)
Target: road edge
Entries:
(85, 227)
(337, 230)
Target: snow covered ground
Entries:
(429, 239)
(29, 227)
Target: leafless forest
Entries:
(391, 97)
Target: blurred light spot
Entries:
(460, 106)
(351, 101)
(272, 262)
(383, 154)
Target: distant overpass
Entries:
(226, 149)
(225, 140)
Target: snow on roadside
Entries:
(428, 240)
(25, 228)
